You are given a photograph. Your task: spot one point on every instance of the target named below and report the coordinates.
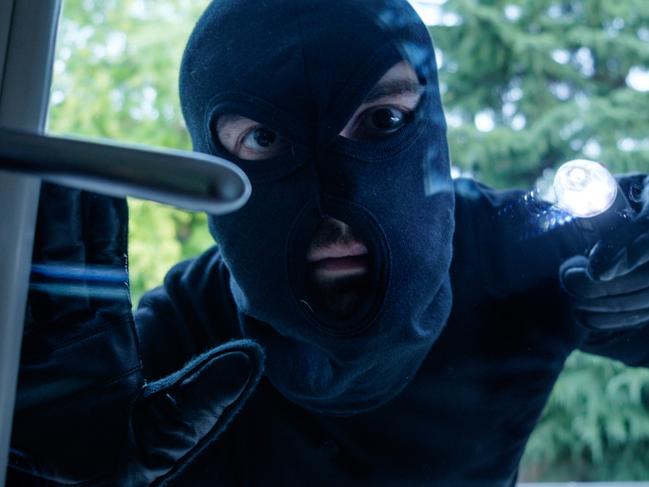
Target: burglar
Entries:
(363, 320)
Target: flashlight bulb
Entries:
(584, 188)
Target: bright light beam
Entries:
(584, 188)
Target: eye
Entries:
(248, 139)
(380, 121)
(259, 139)
(259, 142)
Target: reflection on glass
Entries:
(414, 326)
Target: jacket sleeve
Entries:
(520, 246)
(630, 347)
(190, 313)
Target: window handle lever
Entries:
(189, 180)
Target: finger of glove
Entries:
(178, 415)
(178, 418)
(613, 320)
(576, 280)
(634, 301)
(57, 286)
(105, 234)
(105, 229)
(622, 252)
(58, 234)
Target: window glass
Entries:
(526, 86)
(116, 77)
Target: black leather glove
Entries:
(83, 412)
(609, 288)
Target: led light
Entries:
(584, 188)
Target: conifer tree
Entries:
(546, 81)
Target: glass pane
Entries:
(526, 87)
(116, 77)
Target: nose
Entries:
(332, 230)
(342, 227)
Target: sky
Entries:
(428, 10)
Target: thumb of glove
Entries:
(621, 251)
(175, 418)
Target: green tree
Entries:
(115, 77)
(546, 81)
(528, 85)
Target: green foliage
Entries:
(595, 425)
(115, 77)
(160, 236)
(550, 74)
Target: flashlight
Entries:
(588, 192)
(584, 188)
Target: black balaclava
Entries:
(301, 68)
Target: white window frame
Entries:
(27, 38)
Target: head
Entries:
(340, 260)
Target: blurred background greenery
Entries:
(526, 85)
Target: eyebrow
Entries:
(392, 88)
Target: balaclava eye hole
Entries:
(246, 139)
(392, 104)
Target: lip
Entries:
(342, 266)
(339, 260)
(336, 251)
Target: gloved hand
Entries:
(83, 411)
(609, 288)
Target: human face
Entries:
(338, 259)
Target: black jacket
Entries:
(464, 418)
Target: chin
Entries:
(341, 297)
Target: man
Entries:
(412, 327)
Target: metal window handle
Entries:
(188, 180)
